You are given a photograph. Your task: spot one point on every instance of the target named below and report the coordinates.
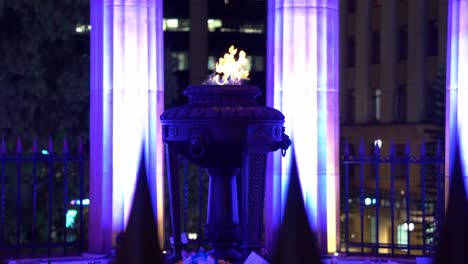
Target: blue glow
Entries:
(302, 80)
(44, 152)
(78, 202)
(457, 85)
(127, 98)
(70, 218)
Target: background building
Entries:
(197, 33)
(392, 89)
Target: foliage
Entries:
(44, 68)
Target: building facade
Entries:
(197, 33)
(392, 81)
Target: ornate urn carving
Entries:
(224, 130)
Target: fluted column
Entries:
(126, 101)
(456, 119)
(302, 82)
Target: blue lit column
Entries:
(456, 119)
(126, 101)
(302, 82)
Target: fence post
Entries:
(50, 149)
(346, 167)
(34, 196)
(407, 162)
(377, 199)
(2, 194)
(361, 192)
(392, 194)
(423, 195)
(440, 191)
(65, 192)
(81, 175)
(19, 152)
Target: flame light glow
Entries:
(228, 70)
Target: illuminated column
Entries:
(126, 101)
(456, 119)
(302, 82)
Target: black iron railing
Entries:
(392, 204)
(193, 196)
(43, 200)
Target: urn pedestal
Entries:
(224, 130)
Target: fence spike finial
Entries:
(19, 146)
(3, 146)
(392, 148)
(65, 145)
(34, 147)
(362, 150)
(346, 148)
(50, 146)
(376, 148)
(423, 148)
(407, 148)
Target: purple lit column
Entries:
(456, 119)
(126, 101)
(302, 82)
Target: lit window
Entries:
(402, 234)
(176, 24)
(211, 63)
(258, 63)
(378, 98)
(228, 30)
(172, 23)
(214, 24)
(252, 29)
(82, 28)
(375, 107)
(181, 59)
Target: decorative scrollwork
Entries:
(256, 192)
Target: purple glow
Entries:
(126, 101)
(302, 82)
(457, 85)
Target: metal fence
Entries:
(194, 197)
(391, 204)
(42, 200)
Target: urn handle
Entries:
(196, 147)
(283, 144)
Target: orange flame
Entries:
(228, 70)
